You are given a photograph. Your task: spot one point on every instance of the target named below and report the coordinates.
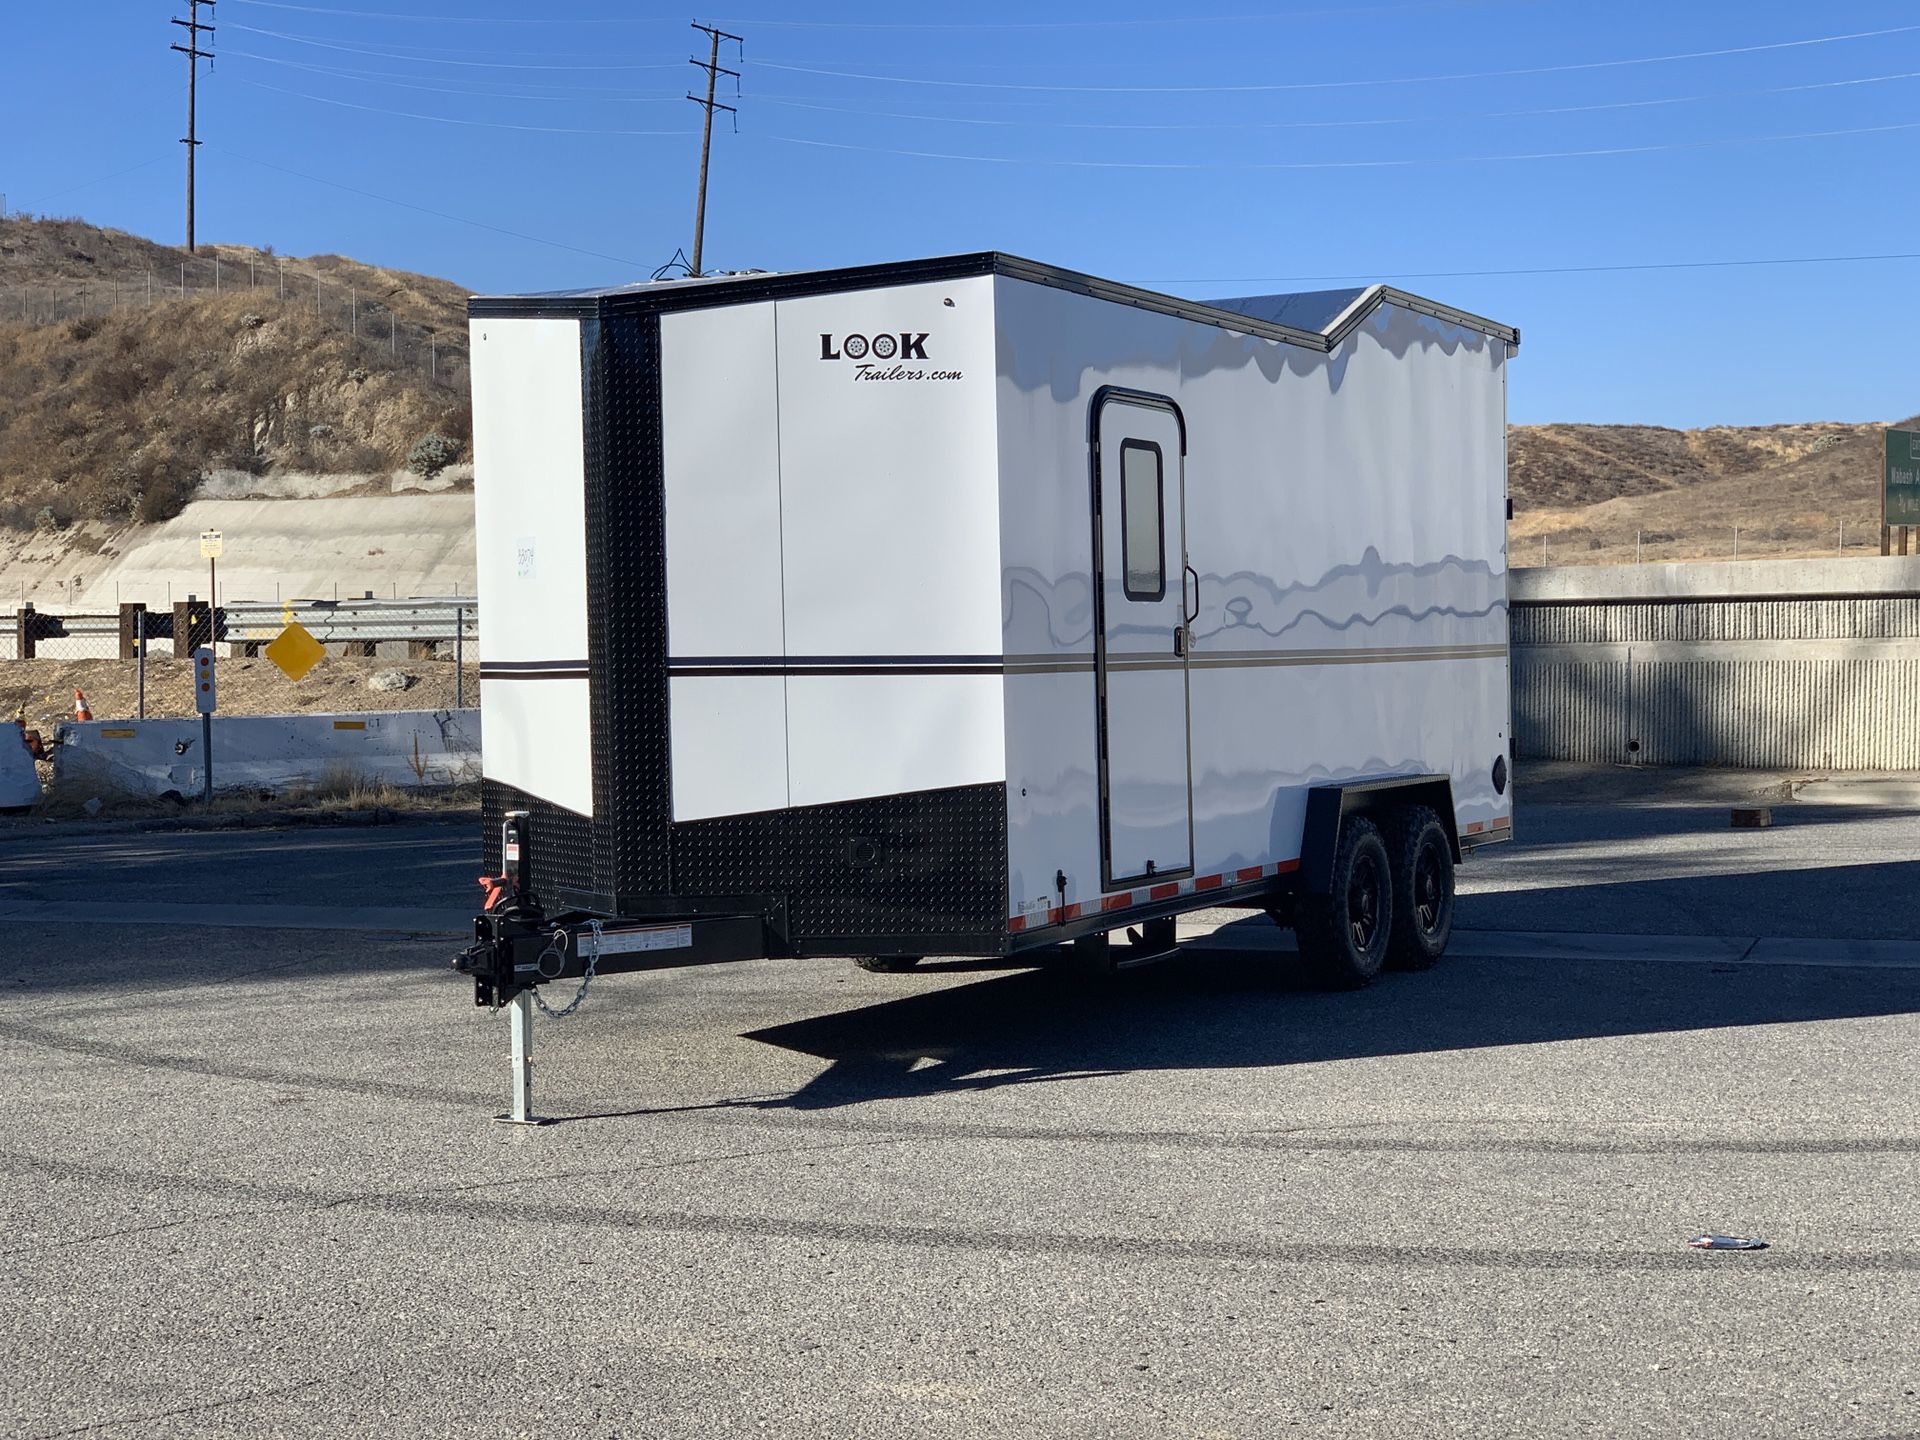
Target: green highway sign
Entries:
(1902, 477)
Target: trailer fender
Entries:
(1328, 806)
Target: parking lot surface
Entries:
(251, 1187)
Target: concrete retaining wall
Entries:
(406, 748)
(1765, 664)
(334, 548)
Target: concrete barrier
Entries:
(19, 782)
(408, 748)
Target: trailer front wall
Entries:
(1345, 514)
(530, 544)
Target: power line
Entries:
(1391, 164)
(714, 72)
(1343, 84)
(449, 119)
(1278, 16)
(1549, 270)
(1045, 124)
(429, 210)
(432, 59)
(387, 77)
(97, 180)
(1156, 21)
(444, 19)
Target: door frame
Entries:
(1150, 400)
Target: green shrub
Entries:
(432, 453)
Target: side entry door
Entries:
(1141, 636)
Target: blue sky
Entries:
(1213, 148)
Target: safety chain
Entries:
(586, 979)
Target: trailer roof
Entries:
(1303, 309)
(1317, 319)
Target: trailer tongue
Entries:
(974, 607)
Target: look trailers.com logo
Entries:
(905, 345)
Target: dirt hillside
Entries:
(1582, 493)
(117, 393)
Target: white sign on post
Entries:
(211, 544)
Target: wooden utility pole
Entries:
(194, 55)
(714, 72)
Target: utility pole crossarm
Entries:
(714, 71)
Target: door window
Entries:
(1142, 547)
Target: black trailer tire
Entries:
(888, 964)
(1344, 934)
(1422, 890)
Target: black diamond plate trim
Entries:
(627, 624)
(929, 866)
(560, 849)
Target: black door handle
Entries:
(1193, 614)
(1180, 640)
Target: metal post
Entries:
(1636, 547)
(183, 279)
(520, 1040)
(140, 656)
(1736, 542)
(459, 657)
(206, 756)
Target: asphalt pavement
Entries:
(251, 1187)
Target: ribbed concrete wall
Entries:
(1707, 665)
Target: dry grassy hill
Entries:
(1588, 490)
(117, 392)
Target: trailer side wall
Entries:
(1345, 515)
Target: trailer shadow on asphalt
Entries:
(1217, 1010)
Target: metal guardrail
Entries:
(242, 625)
(332, 621)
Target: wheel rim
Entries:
(1363, 904)
(1428, 892)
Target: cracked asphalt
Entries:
(250, 1186)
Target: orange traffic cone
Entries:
(80, 710)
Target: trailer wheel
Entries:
(1422, 890)
(887, 964)
(1344, 934)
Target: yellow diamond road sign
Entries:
(296, 651)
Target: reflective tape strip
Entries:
(1129, 899)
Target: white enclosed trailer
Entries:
(971, 606)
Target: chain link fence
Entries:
(267, 279)
(1533, 544)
